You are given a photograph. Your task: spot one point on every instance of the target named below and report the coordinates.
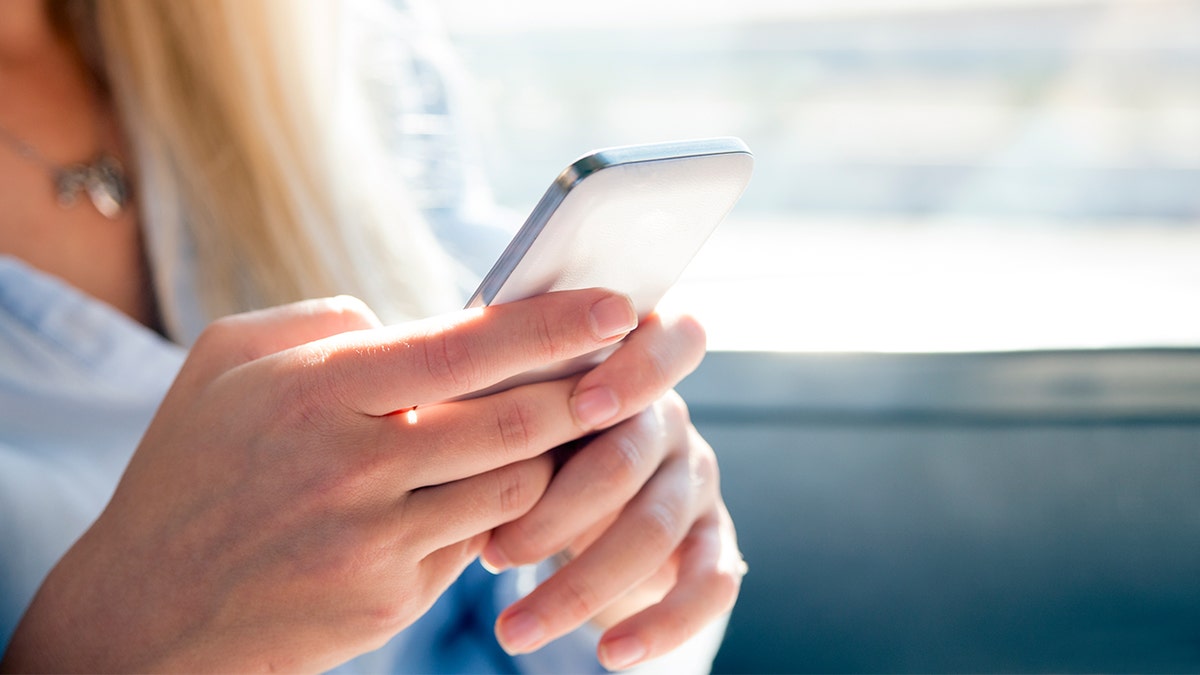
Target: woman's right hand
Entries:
(282, 512)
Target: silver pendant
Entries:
(103, 180)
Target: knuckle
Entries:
(659, 365)
(693, 331)
(674, 409)
(219, 332)
(330, 384)
(515, 495)
(620, 465)
(349, 306)
(448, 359)
(223, 343)
(724, 585)
(677, 353)
(348, 312)
(727, 580)
(545, 338)
(388, 615)
(210, 339)
(312, 397)
(579, 597)
(702, 465)
(528, 540)
(516, 427)
(661, 523)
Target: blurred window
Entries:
(932, 175)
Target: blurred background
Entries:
(955, 369)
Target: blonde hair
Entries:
(250, 133)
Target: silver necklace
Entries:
(102, 179)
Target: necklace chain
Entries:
(102, 179)
(25, 150)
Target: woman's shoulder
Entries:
(53, 335)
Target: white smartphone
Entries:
(628, 219)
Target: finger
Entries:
(468, 437)
(392, 612)
(444, 514)
(709, 579)
(442, 567)
(396, 368)
(630, 551)
(595, 482)
(240, 338)
(652, 360)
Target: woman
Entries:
(301, 493)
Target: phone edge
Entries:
(574, 174)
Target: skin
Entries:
(306, 491)
(48, 103)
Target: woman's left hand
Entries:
(637, 510)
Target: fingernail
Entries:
(622, 652)
(595, 406)
(519, 632)
(613, 316)
(493, 560)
